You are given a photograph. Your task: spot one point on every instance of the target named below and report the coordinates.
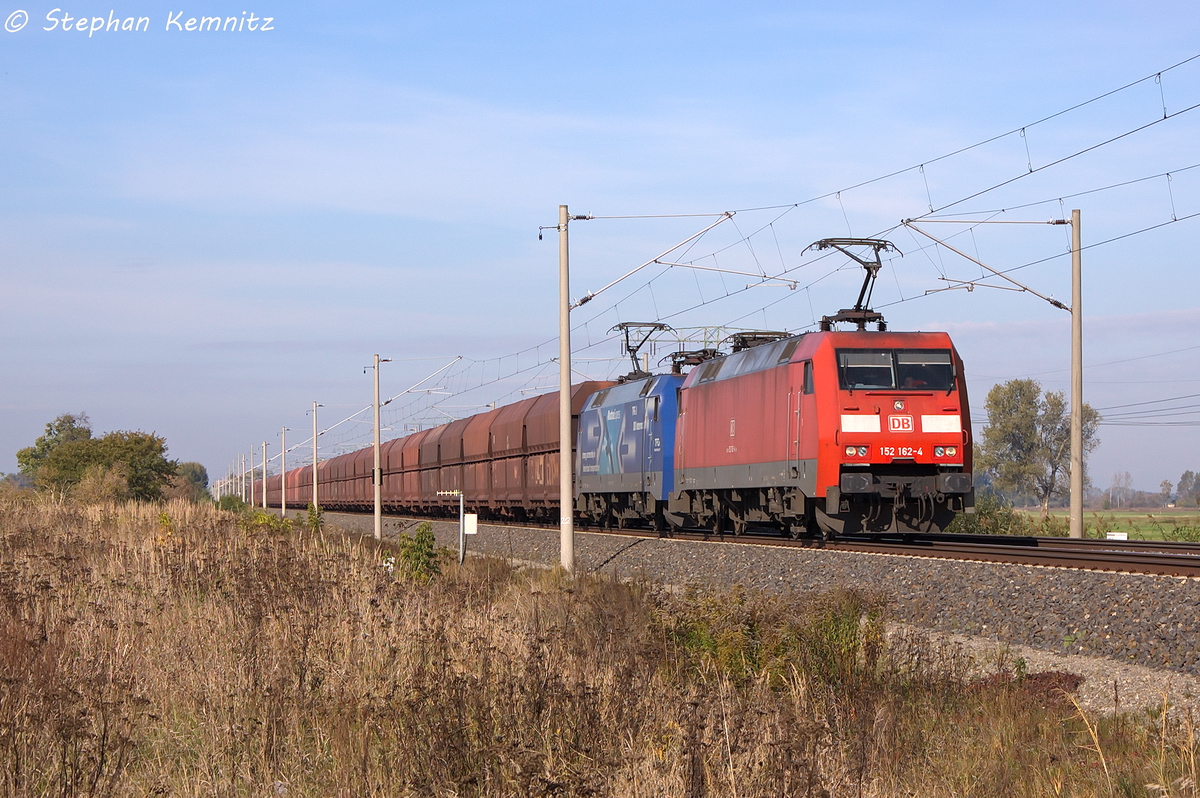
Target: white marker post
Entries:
(462, 530)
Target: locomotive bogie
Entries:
(622, 509)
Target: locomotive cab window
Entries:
(895, 369)
(808, 377)
(860, 369)
(924, 369)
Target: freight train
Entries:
(819, 434)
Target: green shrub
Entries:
(833, 638)
(1051, 526)
(419, 558)
(232, 503)
(261, 521)
(842, 638)
(993, 516)
(1187, 533)
(315, 519)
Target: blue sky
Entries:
(204, 232)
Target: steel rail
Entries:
(1180, 546)
(1161, 558)
(1087, 558)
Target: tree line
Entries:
(68, 458)
(1187, 490)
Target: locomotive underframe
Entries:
(895, 498)
(736, 509)
(621, 510)
(898, 498)
(723, 511)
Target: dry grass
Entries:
(186, 651)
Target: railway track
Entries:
(1162, 558)
(1145, 557)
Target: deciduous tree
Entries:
(145, 455)
(191, 483)
(67, 428)
(1026, 445)
(67, 453)
(1185, 491)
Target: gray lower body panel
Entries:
(610, 483)
(800, 474)
(636, 482)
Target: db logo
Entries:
(900, 423)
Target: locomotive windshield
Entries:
(895, 369)
(866, 368)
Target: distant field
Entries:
(1176, 523)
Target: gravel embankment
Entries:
(1129, 619)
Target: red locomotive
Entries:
(828, 432)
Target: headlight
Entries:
(939, 451)
(862, 451)
(951, 451)
(851, 451)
